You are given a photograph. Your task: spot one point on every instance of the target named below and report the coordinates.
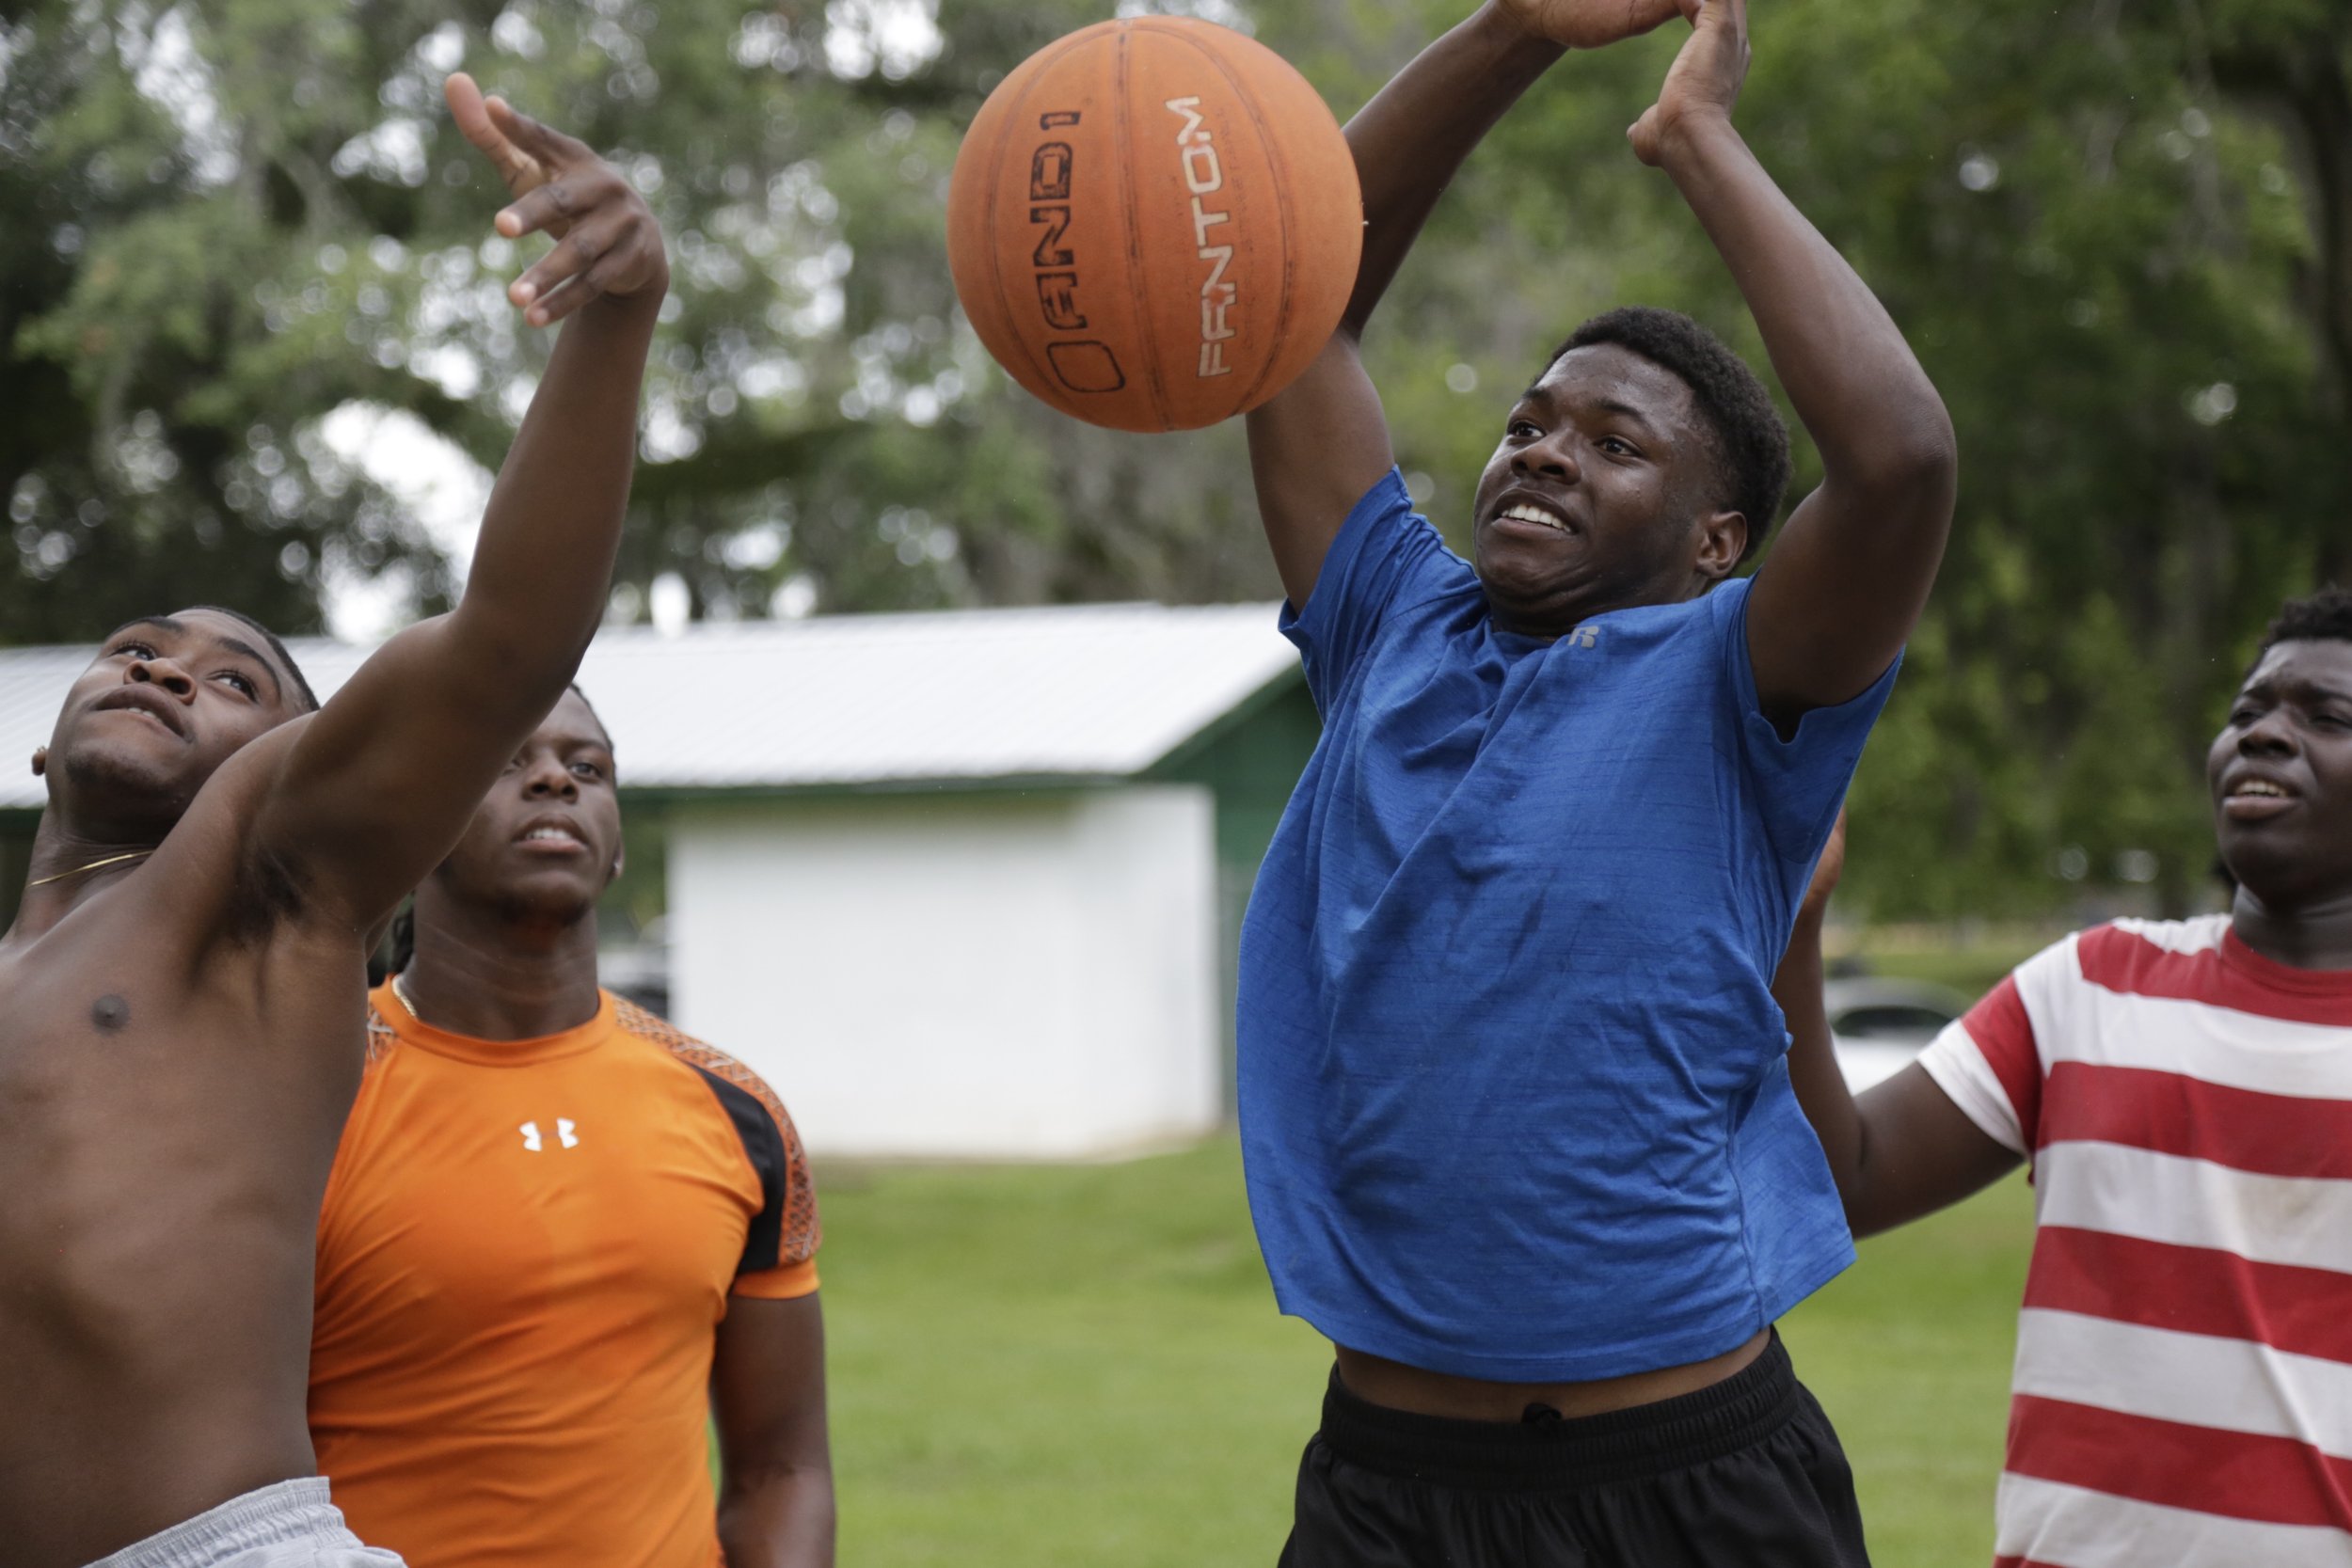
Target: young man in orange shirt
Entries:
(560, 1235)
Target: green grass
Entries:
(1081, 1366)
(1909, 1350)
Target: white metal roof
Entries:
(1091, 692)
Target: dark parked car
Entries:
(1878, 1025)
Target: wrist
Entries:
(1513, 40)
(637, 313)
(1696, 139)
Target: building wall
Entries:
(958, 975)
(1252, 761)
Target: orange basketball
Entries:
(1155, 224)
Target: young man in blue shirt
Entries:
(1519, 1128)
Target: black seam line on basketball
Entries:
(1153, 384)
(1280, 174)
(1014, 117)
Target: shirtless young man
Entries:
(2182, 1088)
(561, 1237)
(183, 992)
(1518, 1134)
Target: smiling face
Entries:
(2281, 772)
(546, 840)
(167, 701)
(1604, 493)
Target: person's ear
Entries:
(40, 762)
(620, 857)
(1722, 540)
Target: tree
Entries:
(218, 253)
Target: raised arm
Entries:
(1851, 572)
(1315, 448)
(373, 790)
(1903, 1150)
(767, 1398)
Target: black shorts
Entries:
(1746, 1474)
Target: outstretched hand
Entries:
(1704, 81)
(607, 239)
(1588, 24)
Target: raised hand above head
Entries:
(377, 786)
(1704, 81)
(1316, 449)
(607, 241)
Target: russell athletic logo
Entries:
(1084, 364)
(1195, 148)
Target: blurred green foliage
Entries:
(2120, 238)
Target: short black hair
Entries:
(1751, 442)
(398, 949)
(277, 648)
(2321, 617)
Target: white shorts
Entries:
(290, 1525)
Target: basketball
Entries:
(1153, 224)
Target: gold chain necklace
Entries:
(111, 860)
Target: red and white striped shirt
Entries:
(2184, 1386)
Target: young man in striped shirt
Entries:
(2184, 1091)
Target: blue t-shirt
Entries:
(1514, 1098)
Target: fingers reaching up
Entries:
(607, 240)
(1704, 82)
(471, 111)
(534, 146)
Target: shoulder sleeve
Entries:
(1383, 558)
(780, 1243)
(1800, 778)
(1992, 1062)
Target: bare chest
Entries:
(123, 1078)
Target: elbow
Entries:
(746, 1484)
(1851, 1197)
(534, 670)
(1914, 459)
(1930, 449)
(1861, 1219)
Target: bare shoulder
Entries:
(212, 867)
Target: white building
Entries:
(961, 885)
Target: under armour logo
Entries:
(566, 1133)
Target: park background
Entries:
(256, 351)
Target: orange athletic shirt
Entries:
(524, 1254)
